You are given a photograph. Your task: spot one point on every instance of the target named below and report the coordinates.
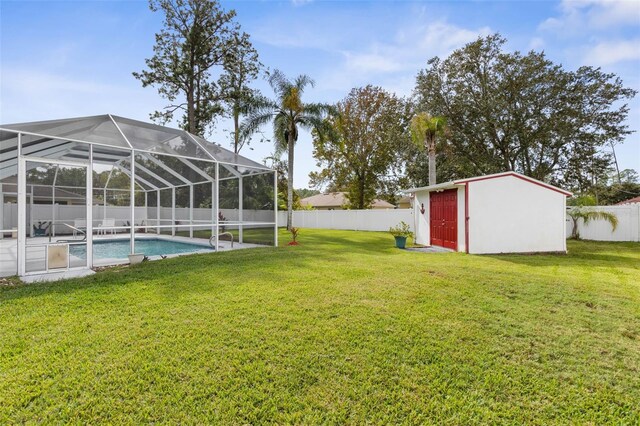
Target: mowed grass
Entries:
(263, 235)
(342, 329)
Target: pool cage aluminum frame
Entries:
(135, 180)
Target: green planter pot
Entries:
(401, 242)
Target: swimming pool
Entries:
(119, 249)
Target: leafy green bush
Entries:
(401, 230)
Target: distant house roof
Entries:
(634, 200)
(337, 200)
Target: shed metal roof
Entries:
(462, 182)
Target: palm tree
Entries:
(425, 129)
(587, 215)
(287, 113)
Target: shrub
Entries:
(401, 230)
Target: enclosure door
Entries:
(54, 225)
(443, 213)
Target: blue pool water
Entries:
(119, 249)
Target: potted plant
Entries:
(222, 218)
(401, 232)
(41, 229)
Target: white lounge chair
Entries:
(107, 223)
(79, 224)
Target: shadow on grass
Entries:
(172, 275)
(566, 260)
(207, 272)
(582, 253)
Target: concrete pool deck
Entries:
(36, 256)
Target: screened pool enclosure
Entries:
(84, 192)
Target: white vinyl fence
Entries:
(121, 215)
(628, 228)
(358, 220)
(355, 220)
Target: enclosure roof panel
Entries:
(226, 156)
(126, 133)
(96, 129)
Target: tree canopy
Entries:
(502, 111)
(197, 37)
(616, 187)
(359, 152)
(240, 69)
(522, 112)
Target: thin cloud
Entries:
(536, 43)
(579, 16)
(613, 52)
(373, 62)
(44, 95)
(388, 64)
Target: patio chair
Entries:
(107, 223)
(79, 224)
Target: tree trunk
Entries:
(290, 143)
(236, 126)
(574, 230)
(431, 148)
(615, 161)
(191, 113)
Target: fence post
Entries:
(1, 213)
(635, 236)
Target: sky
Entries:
(75, 58)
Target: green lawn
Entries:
(262, 235)
(342, 329)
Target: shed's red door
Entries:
(443, 216)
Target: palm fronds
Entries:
(588, 215)
(600, 215)
(286, 112)
(425, 128)
(280, 128)
(302, 81)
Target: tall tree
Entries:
(425, 130)
(616, 187)
(280, 166)
(522, 112)
(240, 69)
(359, 153)
(287, 113)
(197, 36)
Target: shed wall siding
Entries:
(421, 220)
(510, 215)
(461, 219)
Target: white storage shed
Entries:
(501, 213)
